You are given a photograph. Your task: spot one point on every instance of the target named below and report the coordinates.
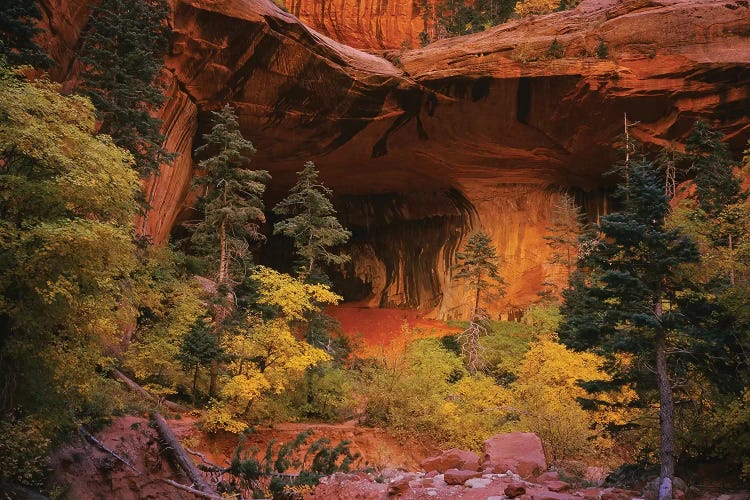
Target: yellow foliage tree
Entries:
(545, 397)
(265, 357)
(536, 7)
(291, 296)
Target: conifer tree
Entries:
(122, 51)
(716, 186)
(232, 209)
(231, 202)
(477, 266)
(629, 300)
(311, 221)
(565, 229)
(17, 30)
(199, 348)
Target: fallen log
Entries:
(133, 386)
(180, 457)
(104, 448)
(195, 492)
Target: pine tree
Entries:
(565, 229)
(719, 193)
(716, 186)
(17, 30)
(231, 202)
(478, 267)
(311, 221)
(232, 209)
(629, 300)
(199, 348)
(122, 51)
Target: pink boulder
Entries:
(519, 452)
(452, 459)
(557, 486)
(456, 476)
(514, 490)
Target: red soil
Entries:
(374, 330)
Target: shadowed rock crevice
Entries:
(402, 245)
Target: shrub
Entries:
(602, 51)
(556, 50)
(23, 451)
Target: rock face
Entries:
(365, 24)
(481, 131)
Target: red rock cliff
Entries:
(479, 131)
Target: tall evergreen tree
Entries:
(199, 348)
(311, 221)
(231, 202)
(122, 50)
(18, 28)
(628, 302)
(565, 229)
(716, 186)
(232, 209)
(477, 266)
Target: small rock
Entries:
(514, 490)
(557, 486)
(455, 476)
(452, 459)
(548, 476)
(428, 482)
(477, 482)
(495, 497)
(430, 474)
(399, 486)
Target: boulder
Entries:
(557, 486)
(456, 476)
(548, 476)
(519, 452)
(452, 459)
(477, 482)
(514, 490)
(399, 486)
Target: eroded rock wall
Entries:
(481, 131)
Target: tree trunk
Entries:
(666, 420)
(195, 383)
(731, 261)
(176, 451)
(140, 390)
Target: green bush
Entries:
(23, 451)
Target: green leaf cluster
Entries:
(122, 52)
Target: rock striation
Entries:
(482, 131)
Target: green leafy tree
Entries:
(462, 17)
(122, 51)
(199, 348)
(311, 221)
(67, 199)
(629, 300)
(18, 28)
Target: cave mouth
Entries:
(523, 99)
